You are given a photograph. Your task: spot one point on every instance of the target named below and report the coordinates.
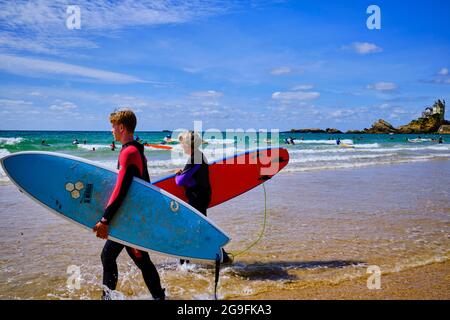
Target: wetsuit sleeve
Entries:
(186, 178)
(129, 168)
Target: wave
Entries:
(340, 158)
(366, 145)
(293, 169)
(220, 141)
(419, 140)
(10, 141)
(346, 141)
(3, 176)
(96, 146)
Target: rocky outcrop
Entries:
(313, 130)
(332, 130)
(316, 130)
(444, 129)
(356, 131)
(381, 126)
(430, 124)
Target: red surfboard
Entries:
(158, 146)
(235, 175)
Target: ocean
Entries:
(310, 152)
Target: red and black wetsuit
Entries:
(132, 163)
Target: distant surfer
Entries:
(440, 140)
(113, 146)
(132, 163)
(75, 141)
(338, 141)
(291, 140)
(195, 177)
(168, 139)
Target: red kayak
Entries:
(235, 175)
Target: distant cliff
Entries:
(431, 121)
(422, 125)
(316, 130)
(381, 126)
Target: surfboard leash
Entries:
(262, 230)
(233, 255)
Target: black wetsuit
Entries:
(132, 163)
(195, 179)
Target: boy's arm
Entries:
(123, 184)
(129, 169)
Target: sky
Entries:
(230, 64)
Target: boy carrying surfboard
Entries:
(132, 163)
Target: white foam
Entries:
(346, 141)
(220, 141)
(367, 145)
(295, 168)
(10, 141)
(3, 176)
(340, 158)
(96, 146)
(419, 140)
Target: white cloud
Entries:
(206, 94)
(104, 14)
(382, 86)
(40, 25)
(303, 87)
(280, 70)
(11, 102)
(363, 48)
(38, 68)
(63, 106)
(443, 72)
(295, 96)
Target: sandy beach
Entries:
(430, 282)
(323, 230)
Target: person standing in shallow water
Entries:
(195, 178)
(132, 163)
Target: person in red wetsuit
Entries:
(132, 163)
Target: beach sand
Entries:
(421, 283)
(324, 229)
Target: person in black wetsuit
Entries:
(132, 163)
(195, 177)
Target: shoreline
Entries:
(404, 285)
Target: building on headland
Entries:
(437, 108)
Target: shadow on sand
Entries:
(279, 270)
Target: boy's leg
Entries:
(149, 272)
(109, 255)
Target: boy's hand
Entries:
(101, 230)
(179, 171)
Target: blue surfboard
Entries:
(149, 219)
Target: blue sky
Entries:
(245, 64)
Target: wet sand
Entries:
(431, 282)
